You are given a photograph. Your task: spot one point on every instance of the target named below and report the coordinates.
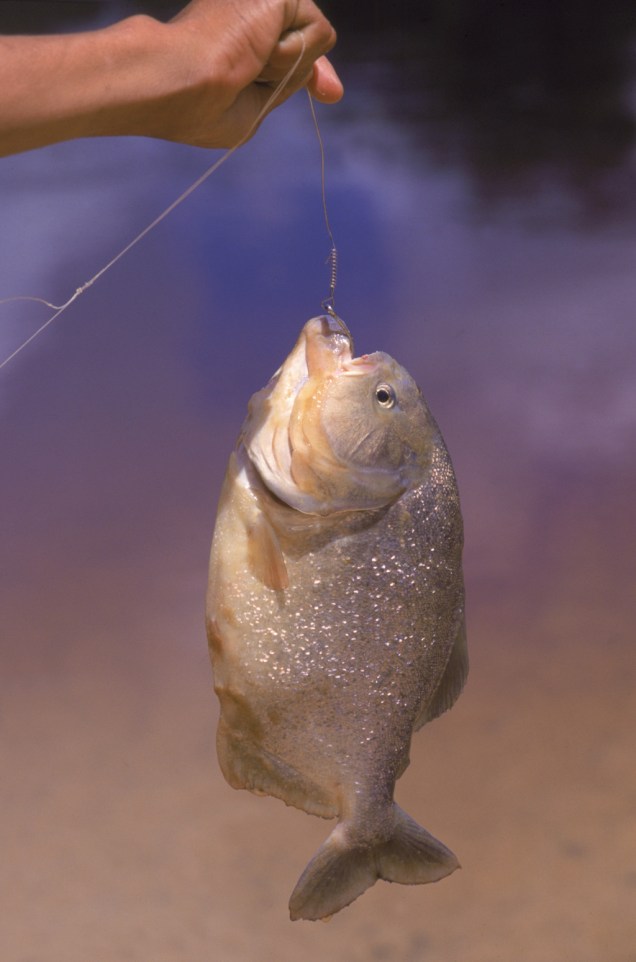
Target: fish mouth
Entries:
(328, 345)
(329, 349)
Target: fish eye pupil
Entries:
(385, 395)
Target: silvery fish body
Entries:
(336, 607)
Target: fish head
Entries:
(332, 432)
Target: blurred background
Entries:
(481, 188)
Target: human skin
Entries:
(203, 78)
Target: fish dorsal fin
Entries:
(451, 683)
(265, 554)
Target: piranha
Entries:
(335, 608)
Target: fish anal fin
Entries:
(265, 555)
(451, 682)
(247, 764)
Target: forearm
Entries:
(61, 87)
(205, 78)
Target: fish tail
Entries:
(341, 870)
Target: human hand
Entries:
(225, 58)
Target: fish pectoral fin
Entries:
(451, 682)
(265, 554)
(340, 872)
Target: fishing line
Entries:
(60, 308)
(329, 303)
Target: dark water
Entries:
(490, 247)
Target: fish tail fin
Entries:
(412, 855)
(340, 871)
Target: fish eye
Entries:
(385, 395)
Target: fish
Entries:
(335, 607)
